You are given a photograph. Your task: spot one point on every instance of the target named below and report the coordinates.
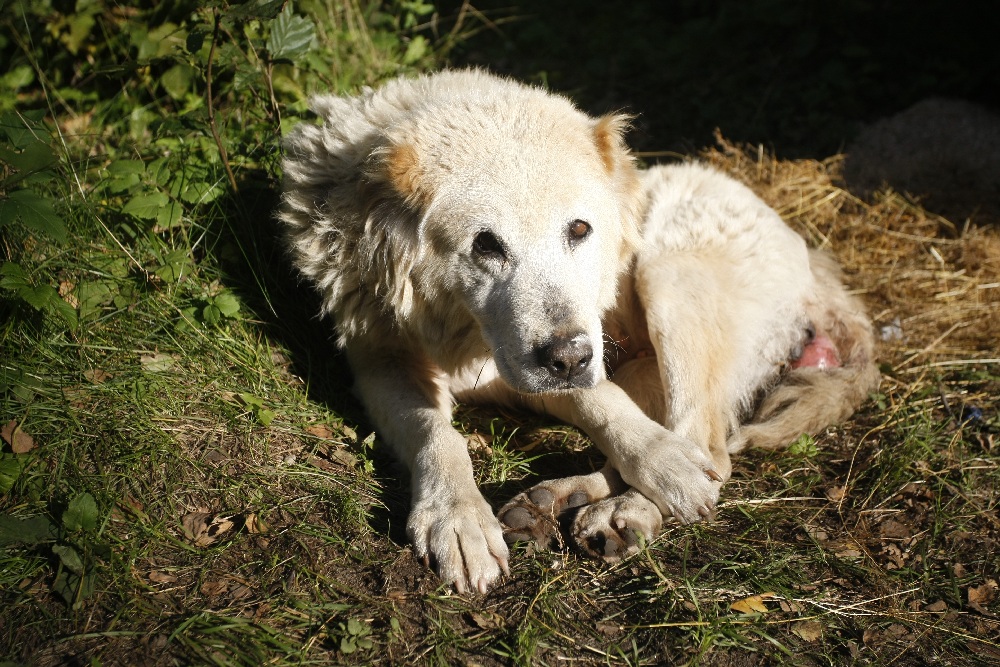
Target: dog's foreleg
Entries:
(450, 522)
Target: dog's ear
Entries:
(609, 134)
(402, 170)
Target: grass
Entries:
(186, 479)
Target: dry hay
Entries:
(931, 285)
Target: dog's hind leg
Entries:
(536, 514)
(606, 517)
(810, 398)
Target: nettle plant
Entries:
(163, 114)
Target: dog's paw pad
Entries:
(523, 521)
(607, 545)
(542, 497)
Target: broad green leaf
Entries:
(354, 626)
(24, 128)
(195, 40)
(17, 78)
(261, 10)
(92, 295)
(69, 557)
(65, 311)
(35, 211)
(80, 25)
(34, 157)
(124, 167)
(175, 264)
(81, 514)
(200, 192)
(10, 469)
(73, 588)
(13, 277)
(251, 401)
(169, 216)
(32, 530)
(177, 80)
(265, 416)
(39, 296)
(227, 303)
(122, 183)
(211, 314)
(158, 42)
(415, 50)
(146, 206)
(290, 36)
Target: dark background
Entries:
(800, 77)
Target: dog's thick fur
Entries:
(476, 239)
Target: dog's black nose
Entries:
(565, 357)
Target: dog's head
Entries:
(526, 212)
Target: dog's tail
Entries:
(808, 399)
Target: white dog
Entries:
(476, 239)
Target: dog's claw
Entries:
(714, 476)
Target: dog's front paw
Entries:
(616, 527)
(462, 538)
(677, 476)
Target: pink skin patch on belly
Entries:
(819, 353)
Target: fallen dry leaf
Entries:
(97, 376)
(836, 493)
(240, 591)
(810, 631)
(344, 458)
(66, 292)
(213, 588)
(609, 629)
(817, 533)
(255, 525)
(484, 621)
(897, 631)
(156, 362)
(19, 441)
(205, 529)
(845, 548)
(753, 604)
(477, 441)
(937, 606)
(161, 577)
(895, 530)
(981, 596)
(320, 431)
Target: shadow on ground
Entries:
(805, 80)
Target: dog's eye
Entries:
(577, 231)
(487, 245)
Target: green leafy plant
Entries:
(72, 540)
(27, 164)
(41, 297)
(354, 636)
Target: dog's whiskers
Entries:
(489, 355)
